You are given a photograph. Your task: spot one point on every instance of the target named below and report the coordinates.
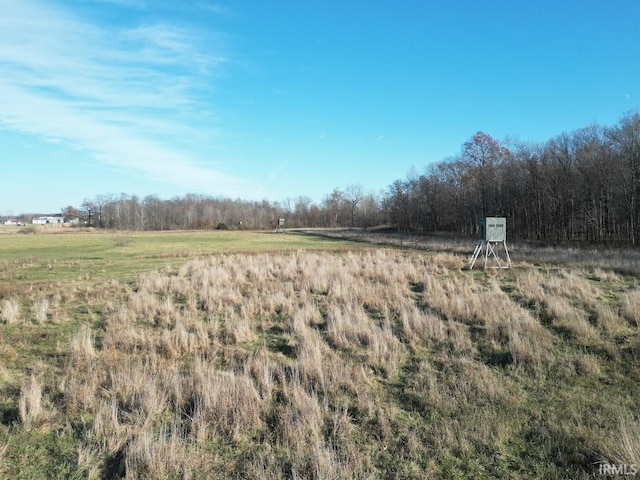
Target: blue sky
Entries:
(272, 100)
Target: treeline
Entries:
(580, 186)
(350, 207)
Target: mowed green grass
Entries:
(87, 256)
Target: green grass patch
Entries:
(35, 455)
(94, 256)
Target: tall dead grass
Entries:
(306, 365)
(624, 445)
(40, 309)
(31, 404)
(630, 306)
(10, 311)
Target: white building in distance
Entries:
(48, 220)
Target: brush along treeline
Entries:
(355, 364)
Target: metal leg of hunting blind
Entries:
(476, 252)
(489, 249)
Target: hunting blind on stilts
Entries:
(280, 227)
(493, 235)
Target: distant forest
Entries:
(578, 186)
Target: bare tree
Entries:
(88, 209)
(626, 145)
(333, 205)
(353, 196)
(483, 154)
(301, 210)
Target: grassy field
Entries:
(249, 355)
(66, 255)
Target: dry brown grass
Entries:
(625, 448)
(10, 312)
(606, 317)
(82, 347)
(570, 320)
(365, 364)
(630, 306)
(574, 285)
(31, 407)
(40, 309)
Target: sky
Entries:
(257, 99)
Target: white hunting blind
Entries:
(493, 234)
(280, 226)
(493, 229)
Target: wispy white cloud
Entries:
(130, 97)
(214, 8)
